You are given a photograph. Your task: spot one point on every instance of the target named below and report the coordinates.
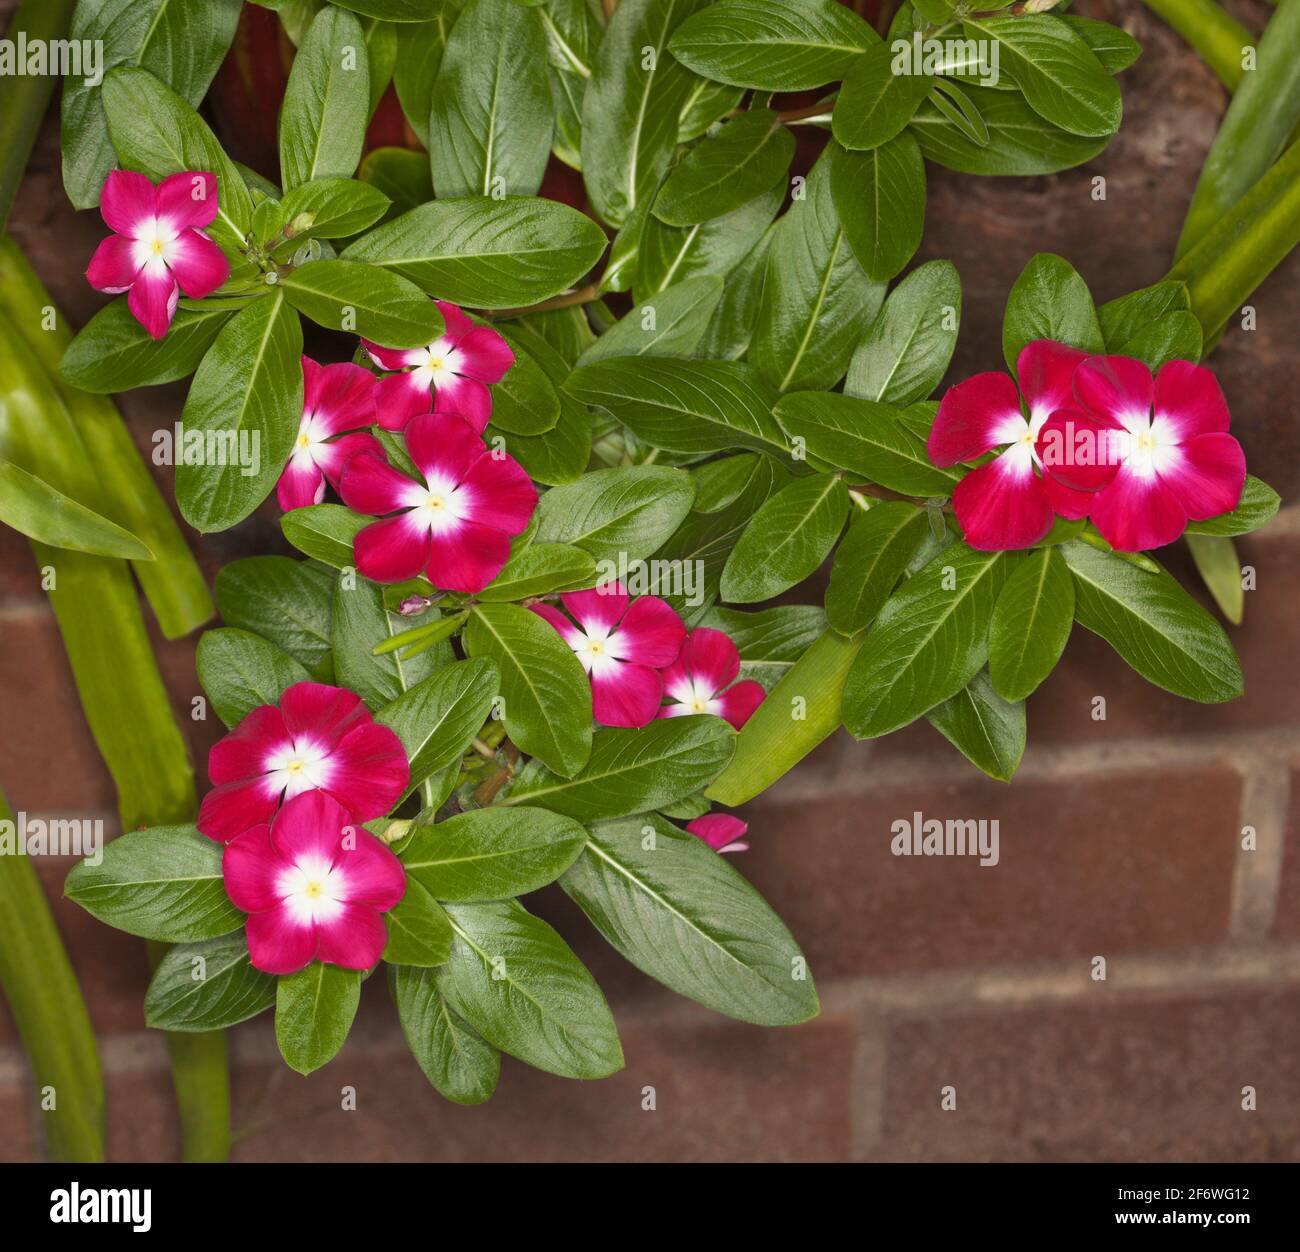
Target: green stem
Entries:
(121, 488)
(801, 710)
(1244, 246)
(50, 1013)
(1215, 37)
(1260, 119)
(24, 97)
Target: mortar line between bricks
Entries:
(867, 1083)
(1257, 877)
(1118, 756)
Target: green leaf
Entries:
(455, 1058)
(540, 569)
(245, 402)
(770, 641)
(389, 10)
(1049, 301)
(1220, 569)
(362, 300)
(157, 133)
(706, 103)
(1056, 70)
(817, 300)
(326, 103)
(959, 109)
(285, 601)
(438, 717)
(732, 327)
(1116, 49)
(670, 324)
(325, 531)
(113, 352)
(880, 199)
(524, 402)
(338, 207)
(207, 986)
(694, 407)
(521, 987)
(788, 539)
(633, 771)
(573, 32)
(865, 438)
(314, 1009)
(488, 254)
(870, 561)
(680, 913)
(419, 932)
(1259, 502)
(359, 621)
(492, 854)
(1019, 142)
(35, 509)
(162, 883)
(547, 709)
(1154, 625)
(182, 42)
(241, 671)
(420, 49)
(629, 511)
(875, 102)
(747, 157)
(630, 108)
(986, 729)
(907, 350)
(1031, 623)
(491, 115)
(794, 46)
(929, 641)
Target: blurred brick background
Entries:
(1119, 838)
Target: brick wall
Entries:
(1119, 839)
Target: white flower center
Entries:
(297, 767)
(313, 890)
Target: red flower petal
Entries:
(624, 694)
(398, 398)
(188, 199)
(127, 202)
(468, 558)
(565, 628)
(718, 829)
(278, 943)
(394, 550)
(354, 939)
(301, 483)
(1003, 505)
(232, 808)
(598, 608)
(333, 456)
(370, 485)
(153, 299)
(484, 355)
(199, 265)
(1045, 369)
(113, 267)
(250, 869)
(369, 771)
(1138, 511)
(974, 416)
(1208, 475)
(737, 704)
(326, 713)
(1115, 386)
(455, 394)
(340, 397)
(709, 661)
(444, 447)
(502, 494)
(1188, 397)
(372, 875)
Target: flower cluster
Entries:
(293, 782)
(1138, 456)
(637, 652)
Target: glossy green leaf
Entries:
(1031, 623)
(680, 913)
(909, 346)
(1154, 625)
(491, 116)
(241, 671)
(633, 771)
(929, 641)
(492, 854)
(1220, 570)
(419, 931)
(524, 402)
(988, 730)
(793, 46)
(285, 601)
(245, 404)
(1049, 301)
(870, 561)
(455, 1058)
(747, 157)
(865, 438)
(207, 986)
(314, 1009)
(360, 299)
(788, 539)
(670, 324)
(35, 509)
(338, 208)
(161, 883)
(876, 103)
(326, 103)
(488, 254)
(880, 199)
(1259, 502)
(547, 699)
(541, 568)
(325, 531)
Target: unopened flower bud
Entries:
(413, 606)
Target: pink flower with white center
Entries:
(317, 738)
(160, 248)
(455, 523)
(454, 370)
(622, 644)
(700, 680)
(721, 831)
(1010, 502)
(336, 398)
(314, 886)
(1168, 458)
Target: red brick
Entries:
(1286, 923)
(1106, 863)
(21, 1140)
(1104, 1080)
